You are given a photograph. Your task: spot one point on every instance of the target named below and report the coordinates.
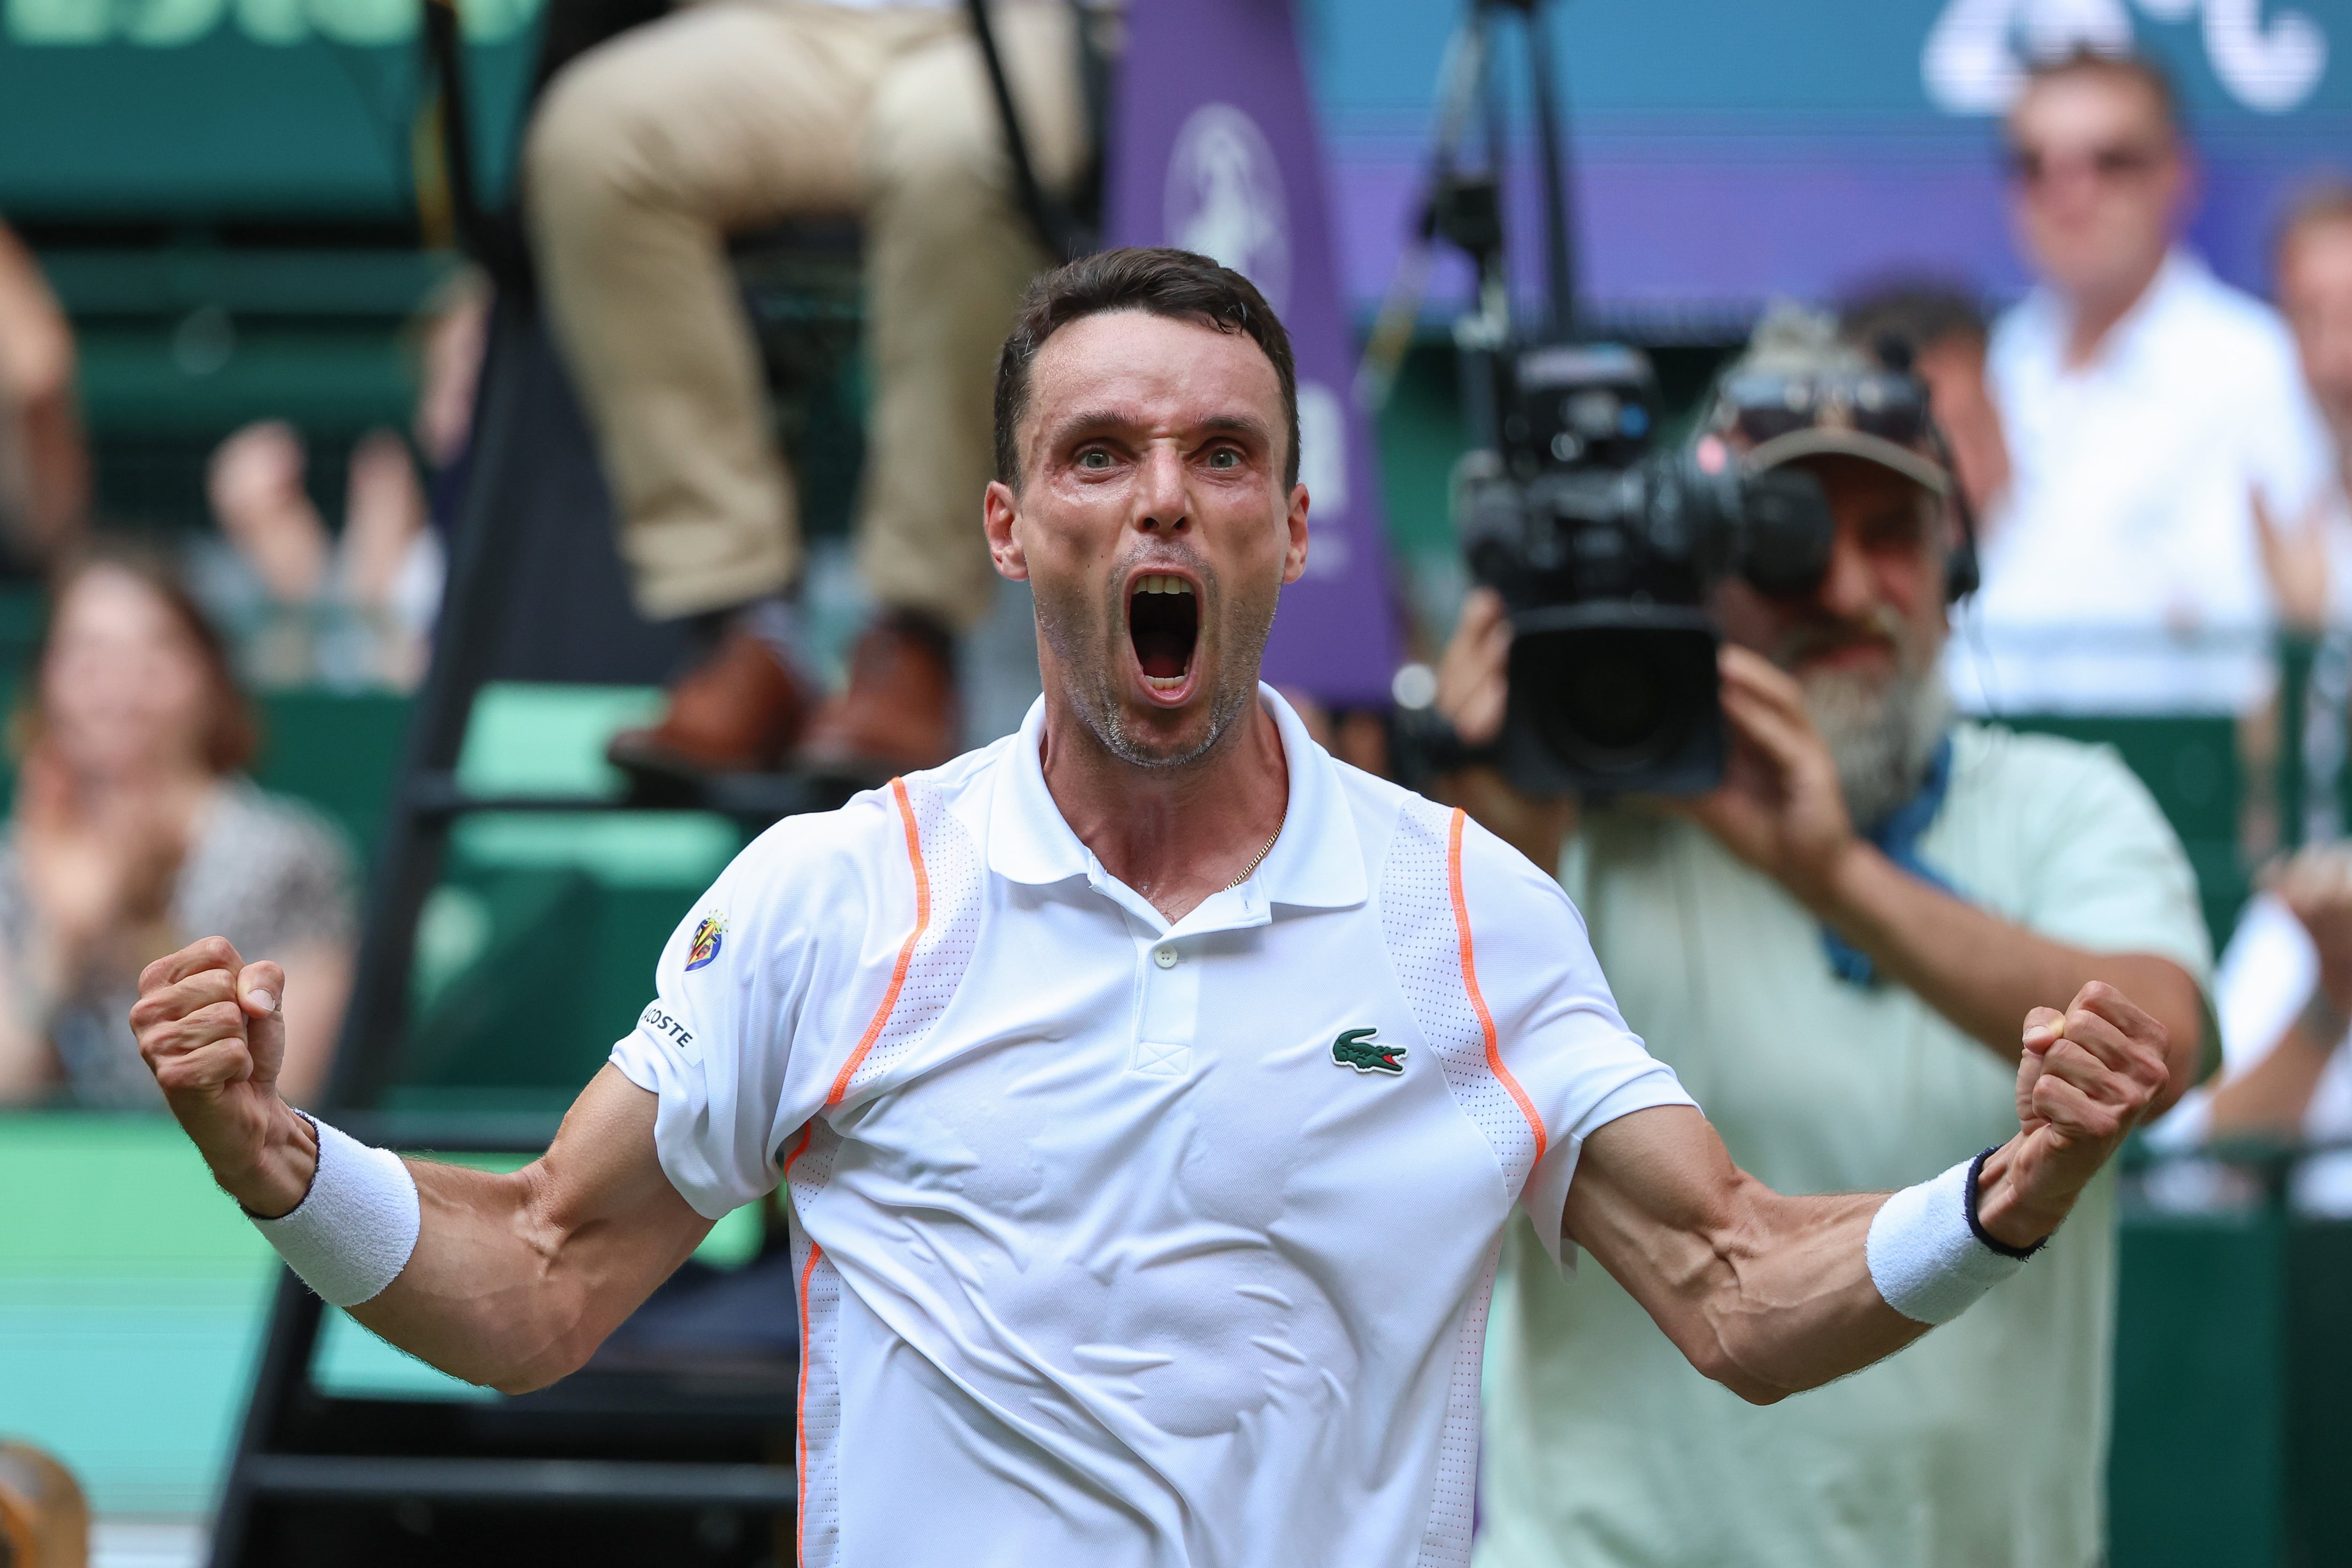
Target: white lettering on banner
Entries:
(1975, 57)
(170, 24)
(1225, 198)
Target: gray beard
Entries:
(1882, 735)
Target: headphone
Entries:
(1963, 572)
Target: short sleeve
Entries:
(1566, 1048)
(745, 992)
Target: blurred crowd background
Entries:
(246, 296)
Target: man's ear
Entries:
(1001, 517)
(1294, 559)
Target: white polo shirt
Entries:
(1122, 1242)
(2121, 571)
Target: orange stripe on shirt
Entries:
(906, 948)
(1470, 983)
(840, 1088)
(897, 974)
(799, 1415)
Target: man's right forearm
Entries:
(517, 1277)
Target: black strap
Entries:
(1047, 215)
(1976, 1225)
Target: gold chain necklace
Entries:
(1259, 859)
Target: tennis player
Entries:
(1151, 1090)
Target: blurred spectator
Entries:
(2306, 556)
(1943, 332)
(134, 829)
(646, 152)
(44, 466)
(357, 610)
(2284, 987)
(44, 1516)
(2142, 401)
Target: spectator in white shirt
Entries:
(2144, 402)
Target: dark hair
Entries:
(1178, 284)
(1917, 313)
(233, 735)
(2123, 65)
(2316, 208)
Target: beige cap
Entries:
(1835, 440)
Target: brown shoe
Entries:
(898, 714)
(740, 710)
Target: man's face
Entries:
(1864, 645)
(1880, 606)
(2314, 286)
(2099, 182)
(1154, 526)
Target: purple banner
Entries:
(1214, 151)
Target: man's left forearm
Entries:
(1983, 972)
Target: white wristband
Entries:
(1925, 1253)
(352, 1232)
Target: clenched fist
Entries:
(212, 1029)
(2085, 1077)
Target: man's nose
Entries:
(1162, 497)
(1849, 587)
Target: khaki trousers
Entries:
(735, 114)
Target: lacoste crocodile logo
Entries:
(1357, 1048)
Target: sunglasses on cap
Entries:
(1759, 407)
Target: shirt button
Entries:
(1165, 957)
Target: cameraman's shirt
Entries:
(1123, 1243)
(1985, 1442)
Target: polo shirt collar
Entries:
(1316, 862)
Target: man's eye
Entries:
(1224, 457)
(1097, 460)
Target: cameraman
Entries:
(1831, 949)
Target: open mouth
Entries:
(1164, 621)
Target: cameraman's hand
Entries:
(1472, 682)
(1472, 687)
(1780, 806)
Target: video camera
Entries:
(1603, 549)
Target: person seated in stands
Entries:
(645, 153)
(355, 610)
(44, 466)
(1942, 330)
(2142, 401)
(135, 826)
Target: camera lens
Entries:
(1612, 700)
(1625, 704)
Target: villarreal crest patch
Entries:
(708, 937)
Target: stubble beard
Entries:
(1089, 648)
